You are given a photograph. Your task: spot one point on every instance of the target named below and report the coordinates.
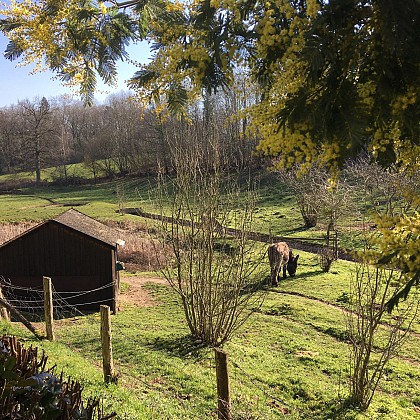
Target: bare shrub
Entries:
(391, 197)
(385, 190)
(326, 257)
(321, 200)
(306, 185)
(141, 251)
(375, 337)
(218, 278)
(9, 231)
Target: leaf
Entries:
(403, 294)
(10, 363)
(13, 51)
(142, 78)
(386, 259)
(177, 99)
(7, 25)
(88, 85)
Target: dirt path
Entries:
(137, 294)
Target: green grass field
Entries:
(290, 360)
(276, 210)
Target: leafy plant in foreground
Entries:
(29, 392)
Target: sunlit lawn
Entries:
(290, 360)
(290, 357)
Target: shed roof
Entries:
(87, 225)
(81, 223)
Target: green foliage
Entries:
(87, 43)
(334, 100)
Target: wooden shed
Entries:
(77, 252)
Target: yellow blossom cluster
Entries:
(367, 93)
(280, 27)
(401, 240)
(402, 102)
(383, 136)
(38, 34)
(292, 146)
(44, 36)
(407, 156)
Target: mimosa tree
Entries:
(335, 76)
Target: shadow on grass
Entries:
(295, 230)
(178, 346)
(301, 276)
(289, 280)
(264, 284)
(335, 410)
(310, 274)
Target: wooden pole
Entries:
(223, 388)
(115, 283)
(4, 313)
(106, 339)
(336, 245)
(48, 308)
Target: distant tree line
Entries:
(117, 138)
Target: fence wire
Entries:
(33, 304)
(30, 300)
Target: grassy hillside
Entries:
(276, 210)
(290, 360)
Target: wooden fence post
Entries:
(48, 308)
(336, 244)
(115, 284)
(223, 388)
(106, 339)
(4, 313)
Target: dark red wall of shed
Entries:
(74, 261)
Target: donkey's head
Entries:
(292, 264)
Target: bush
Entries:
(326, 257)
(141, 252)
(29, 392)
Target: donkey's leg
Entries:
(275, 277)
(284, 271)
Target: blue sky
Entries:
(16, 83)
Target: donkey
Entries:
(280, 256)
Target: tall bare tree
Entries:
(10, 147)
(37, 132)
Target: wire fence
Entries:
(33, 305)
(30, 300)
